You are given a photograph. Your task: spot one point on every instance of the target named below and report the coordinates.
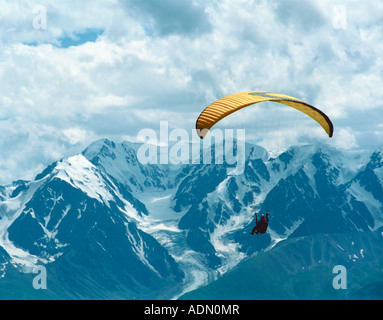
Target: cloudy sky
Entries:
(72, 72)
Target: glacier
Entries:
(158, 231)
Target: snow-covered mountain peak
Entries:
(82, 174)
(119, 161)
(102, 147)
(103, 207)
(256, 152)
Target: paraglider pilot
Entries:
(261, 225)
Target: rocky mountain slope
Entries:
(106, 226)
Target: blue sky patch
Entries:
(78, 39)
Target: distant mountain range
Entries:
(106, 226)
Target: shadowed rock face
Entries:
(106, 226)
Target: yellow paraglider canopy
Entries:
(232, 103)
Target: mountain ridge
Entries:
(303, 268)
(182, 226)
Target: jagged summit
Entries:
(162, 229)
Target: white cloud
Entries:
(151, 64)
(345, 139)
(75, 135)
